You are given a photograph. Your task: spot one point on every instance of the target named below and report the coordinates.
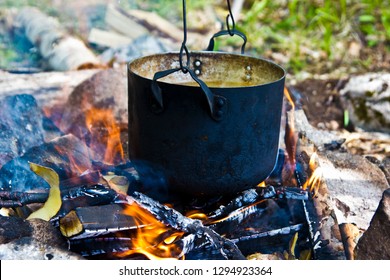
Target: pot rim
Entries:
(218, 53)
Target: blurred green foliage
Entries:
(312, 35)
(297, 25)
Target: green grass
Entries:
(312, 35)
(324, 27)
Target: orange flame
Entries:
(105, 135)
(289, 98)
(314, 182)
(291, 137)
(153, 239)
(195, 214)
(76, 165)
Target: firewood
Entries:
(120, 21)
(176, 220)
(154, 22)
(48, 88)
(107, 38)
(62, 51)
(349, 235)
(135, 23)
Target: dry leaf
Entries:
(53, 202)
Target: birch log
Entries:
(62, 51)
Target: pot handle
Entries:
(230, 32)
(216, 103)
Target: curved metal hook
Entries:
(230, 15)
(210, 47)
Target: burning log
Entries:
(271, 233)
(63, 52)
(177, 221)
(247, 197)
(96, 112)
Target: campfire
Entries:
(72, 169)
(111, 207)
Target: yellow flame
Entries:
(315, 180)
(194, 214)
(153, 239)
(291, 137)
(289, 98)
(104, 132)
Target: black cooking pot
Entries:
(209, 143)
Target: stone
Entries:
(20, 126)
(367, 99)
(28, 248)
(97, 113)
(66, 155)
(14, 228)
(354, 186)
(375, 241)
(105, 90)
(320, 138)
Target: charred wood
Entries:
(176, 220)
(49, 88)
(83, 222)
(349, 235)
(271, 233)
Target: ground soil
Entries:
(321, 102)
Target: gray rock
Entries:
(106, 90)
(28, 248)
(367, 99)
(20, 126)
(106, 94)
(354, 186)
(375, 242)
(67, 155)
(14, 228)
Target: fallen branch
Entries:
(62, 51)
